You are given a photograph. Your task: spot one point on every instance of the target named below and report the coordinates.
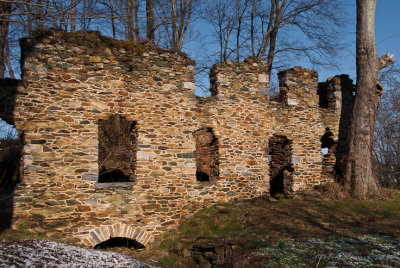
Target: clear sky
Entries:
(387, 34)
(387, 27)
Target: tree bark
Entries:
(73, 15)
(136, 13)
(238, 30)
(253, 12)
(150, 20)
(359, 177)
(40, 15)
(129, 6)
(8, 61)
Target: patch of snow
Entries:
(41, 253)
(363, 251)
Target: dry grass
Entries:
(263, 224)
(280, 232)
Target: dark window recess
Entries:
(11, 170)
(328, 147)
(117, 149)
(280, 154)
(207, 156)
(11, 150)
(322, 92)
(119, 242)
(328, 141)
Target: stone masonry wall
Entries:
(71, 81)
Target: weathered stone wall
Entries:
(72, 81)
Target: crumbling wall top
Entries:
(298, 85)
(249, 76)
(56, 51)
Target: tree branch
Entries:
(385, 61)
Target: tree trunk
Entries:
(174, 25)
(40, 15)
(359, 178)
(238, 29)
(5, 10)
(150, 20)
(129, 6)
(253, 12)
(136, 13)
(113, 23)
(8, 61)
(29, 18)
(73, 15)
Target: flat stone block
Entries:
(90, 177)
(112, 185)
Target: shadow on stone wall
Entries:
(10, 154)
(348, 96)
(10, 174)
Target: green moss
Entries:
(169, 260)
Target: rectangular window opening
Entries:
(207, 155)
(117, 149)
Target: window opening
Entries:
(328, 148)
(207, 155)
(322, 92)
(327, 142)
(11, 149)
(281, 168)
(117, 149)
(11, 170)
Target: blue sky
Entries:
(387, 27)
(387, 34)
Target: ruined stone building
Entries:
(116, 144)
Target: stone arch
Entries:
(106, 232)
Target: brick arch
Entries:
(105, 232)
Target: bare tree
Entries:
(5, 9)
(225, 16)
(118, 14)
(136, 8)
(387, 131)
(73, 16)
(174, 17)
(359, 177)
(266, 29)
(150, 20)
(129, 7)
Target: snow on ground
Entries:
(363, 251)
(35, 253)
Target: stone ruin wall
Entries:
(69, 85)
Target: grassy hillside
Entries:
(286, 233)
(308, 232)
